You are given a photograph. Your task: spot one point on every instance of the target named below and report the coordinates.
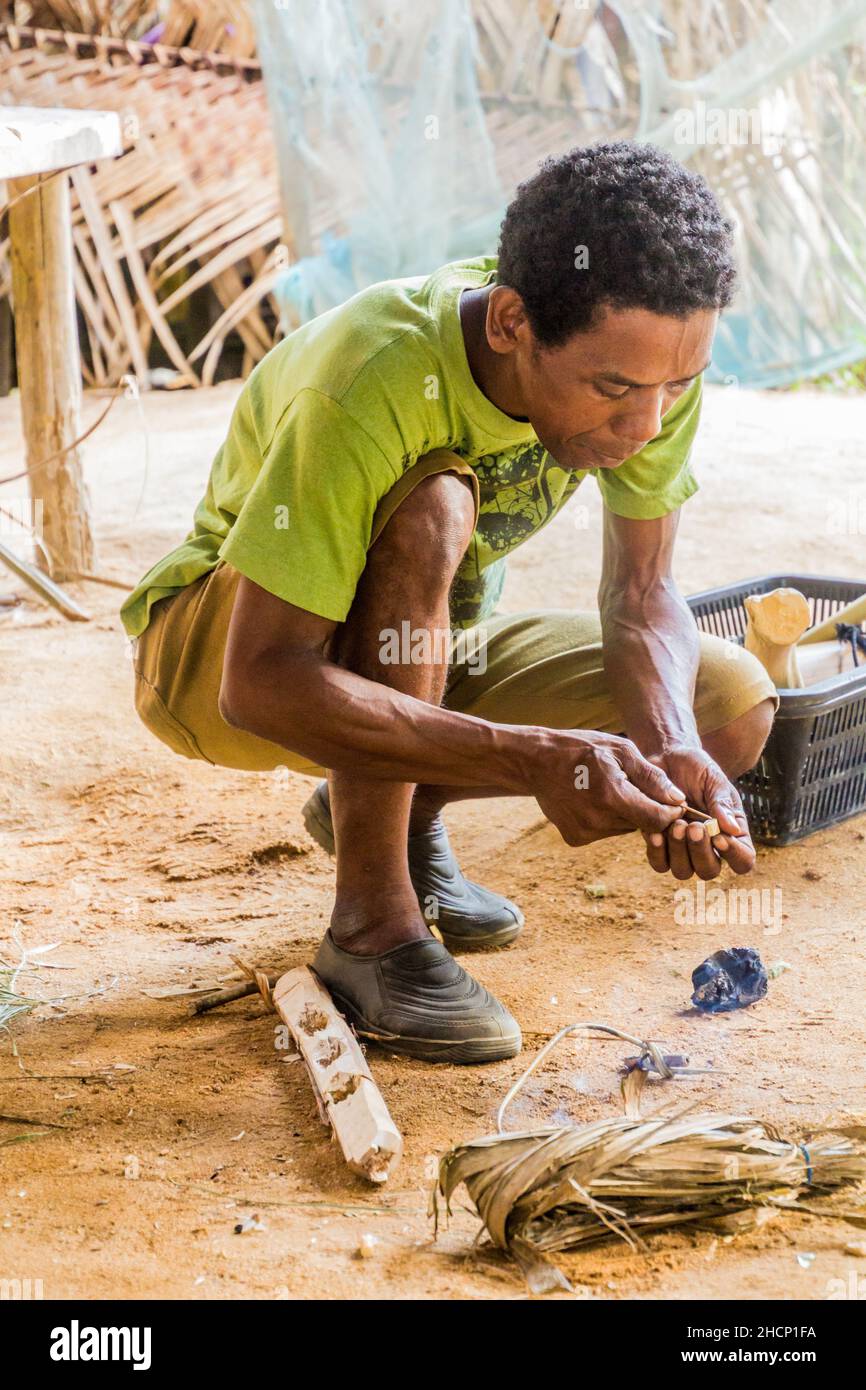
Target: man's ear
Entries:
(507, 321)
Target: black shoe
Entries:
(464, 913)
(415, 999)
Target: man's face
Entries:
(596, 401)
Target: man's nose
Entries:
(640, 420)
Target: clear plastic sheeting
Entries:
(404, 126)
(386, 163)
(773, 112)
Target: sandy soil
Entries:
(157, 1133)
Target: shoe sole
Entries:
(503, 937)
(319, 829)
(321, 832)
(460, 1052)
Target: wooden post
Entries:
(48, 367)
(5, 346)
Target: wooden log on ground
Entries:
(49, 373)
(347, 1094)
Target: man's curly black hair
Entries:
(654, 234)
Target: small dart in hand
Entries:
(695, 817)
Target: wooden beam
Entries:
(49, 374)
(44, 586)
(40, 139)
(348, 1097)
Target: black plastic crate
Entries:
(812, 772)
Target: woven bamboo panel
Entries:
(209, 25)
(192, 202)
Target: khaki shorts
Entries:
(541, 668)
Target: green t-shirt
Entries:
(333, 416)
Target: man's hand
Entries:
(592, 785)
(651, 654)
(280, 684)
(687, 849)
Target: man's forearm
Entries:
(343, 721)
(651, 651)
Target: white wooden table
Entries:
(36, 145)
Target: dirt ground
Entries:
(154, 1134)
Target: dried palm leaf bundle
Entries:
(573, 1186)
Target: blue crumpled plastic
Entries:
(728, 980)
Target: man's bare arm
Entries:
(651, 645)
(651, 653)
(280, 683)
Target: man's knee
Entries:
(738, 746)
(436, 520)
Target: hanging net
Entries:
(402, 131)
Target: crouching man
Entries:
(380, 464)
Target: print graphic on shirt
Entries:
(518, 497)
